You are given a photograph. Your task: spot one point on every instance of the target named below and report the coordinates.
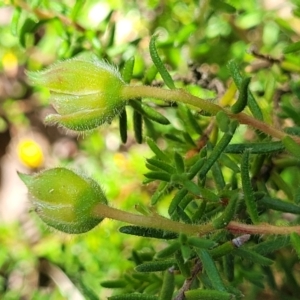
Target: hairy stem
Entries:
(155, 221)
(181, 96)
(263, 228)
(159, 222)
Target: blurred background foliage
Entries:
(196, 40)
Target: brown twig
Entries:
(189, 281)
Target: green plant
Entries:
(225, 196)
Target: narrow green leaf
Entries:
(218, 176)
(188, 184)
(235, 73)
(175, 138)
(186, 252)
(218, 150)
(183, 216)
(128, 69)
(168, 286)
(196, 167)
(123, 126)
(291, 146)
(223, 220)
(223, 121)
(193, 122)
(155, 266)
(253, 256)
(138, 126)
(247, 188)
(154, 115)
(179, 162)
(176, 200)
(183, 267)
(136, 257)
(84, 288)
(150, 75)
(113, 284)
(159, 64)
(76, 9)
(211, 270)
(242, 100)
(134, 296)
(15, 21)
(160, 192)
(186, 201)
(295, 241)
(256, 148)
(168, 251)
(200, 242)
(151, 131)
(148, 112)
(28, 26)
(279, 205)
(222, 250)
(222, 6)
(199, 212)
(229, 163)
(209, 195)
(281, 184)
(160, 154)
(297, 196)
(201, 294)
(148, 232)
(111, 32)
(152, 288)
(161, 165)
(188, 139)
(254, 277)
(158, 176)
(229, 264)
(35, 3)
(295, 130)
(292, 48)
(271, 245)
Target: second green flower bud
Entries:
(65, 200)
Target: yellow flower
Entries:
(30, 153)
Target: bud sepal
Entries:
(85, 92)
(65, 200)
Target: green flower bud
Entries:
(65, 200)
(85, 92)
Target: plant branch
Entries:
(263, 228)
(155, 221)
(181, 96)
(159, 222)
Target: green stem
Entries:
(159, 222)
(155, 221)
(175, 95)
(181, 96)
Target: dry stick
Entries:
(189, 281)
